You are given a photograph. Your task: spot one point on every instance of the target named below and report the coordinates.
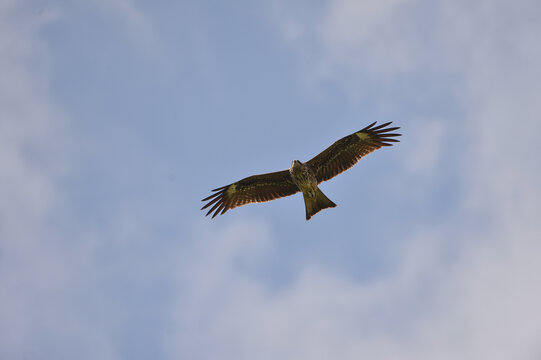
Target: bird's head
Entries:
(295, 163)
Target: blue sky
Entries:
(118, 116)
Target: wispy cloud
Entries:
(481, 306)
(38, 272)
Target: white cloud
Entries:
(428, 138)
(38, 270)
(347, 39)
(358, 33)
(481, 306)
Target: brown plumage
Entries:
(305, 177)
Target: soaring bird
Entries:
(304, 177)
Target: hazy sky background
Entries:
(118, 116)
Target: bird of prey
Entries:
(304, 177)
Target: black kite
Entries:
(304, 177)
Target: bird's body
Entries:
(304, 177)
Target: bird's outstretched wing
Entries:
(257, 188)
(345, 152)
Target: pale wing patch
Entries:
(363, 135)
(232, 189)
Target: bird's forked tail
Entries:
(317, 203)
